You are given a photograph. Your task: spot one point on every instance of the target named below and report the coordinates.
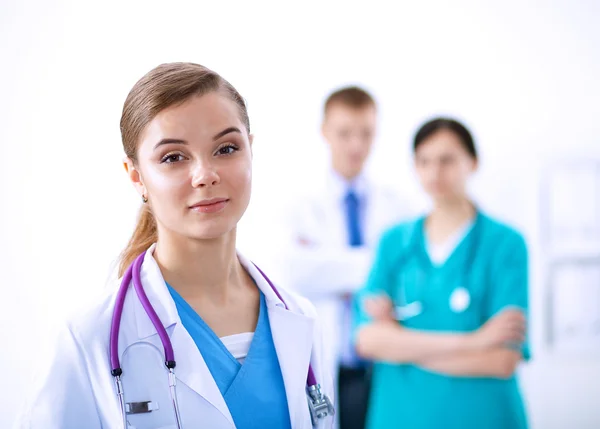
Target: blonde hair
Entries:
(164, 86)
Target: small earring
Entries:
(144, 199)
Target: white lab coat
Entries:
(313, 256)
(77, 390)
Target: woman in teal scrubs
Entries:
(443, 312)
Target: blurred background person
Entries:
(443, 311)
(330, 232)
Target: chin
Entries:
(210, 230)
(445, 197)
(438, 194)
(353, 171)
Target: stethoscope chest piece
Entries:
(460, 299)
(319, 404)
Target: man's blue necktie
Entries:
(353, 219)
(355, 239)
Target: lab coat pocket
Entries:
(146, 387)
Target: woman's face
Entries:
(195, 167)
(444, 165)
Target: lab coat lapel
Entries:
(293, 334)
(373, 212)
(332, 219)
(193, 371)
(191, 368)
(156, 290)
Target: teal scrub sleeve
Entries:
(378, 281)
(510, 280)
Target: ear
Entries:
(325, 131)
(475, 166)
(250, 141)
(135, 176)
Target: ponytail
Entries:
(143, 236)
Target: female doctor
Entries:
(196, 336)
(443, 311)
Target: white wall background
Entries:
(523, 76)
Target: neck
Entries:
(207, 268)
(346, 175)
(449, 215)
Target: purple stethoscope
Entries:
(319, 404)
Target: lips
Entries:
(212, 205)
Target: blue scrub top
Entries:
(253, 391)
(491, 263)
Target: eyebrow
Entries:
(226, 131)
(180, 141)
(169, 141)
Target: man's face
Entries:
(350, 132)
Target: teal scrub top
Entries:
(491, 263)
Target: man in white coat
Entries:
(330, 237)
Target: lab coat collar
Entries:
(271, 298)
(339, 186)
(162, 301)
(158, 295)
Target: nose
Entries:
(436, 171)
(354, 147)
(355, 142)
(205, 175)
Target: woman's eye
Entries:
(227, 150)
(171, 158)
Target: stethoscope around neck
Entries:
(319, 404)
(460, 297)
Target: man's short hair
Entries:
(351, 96)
